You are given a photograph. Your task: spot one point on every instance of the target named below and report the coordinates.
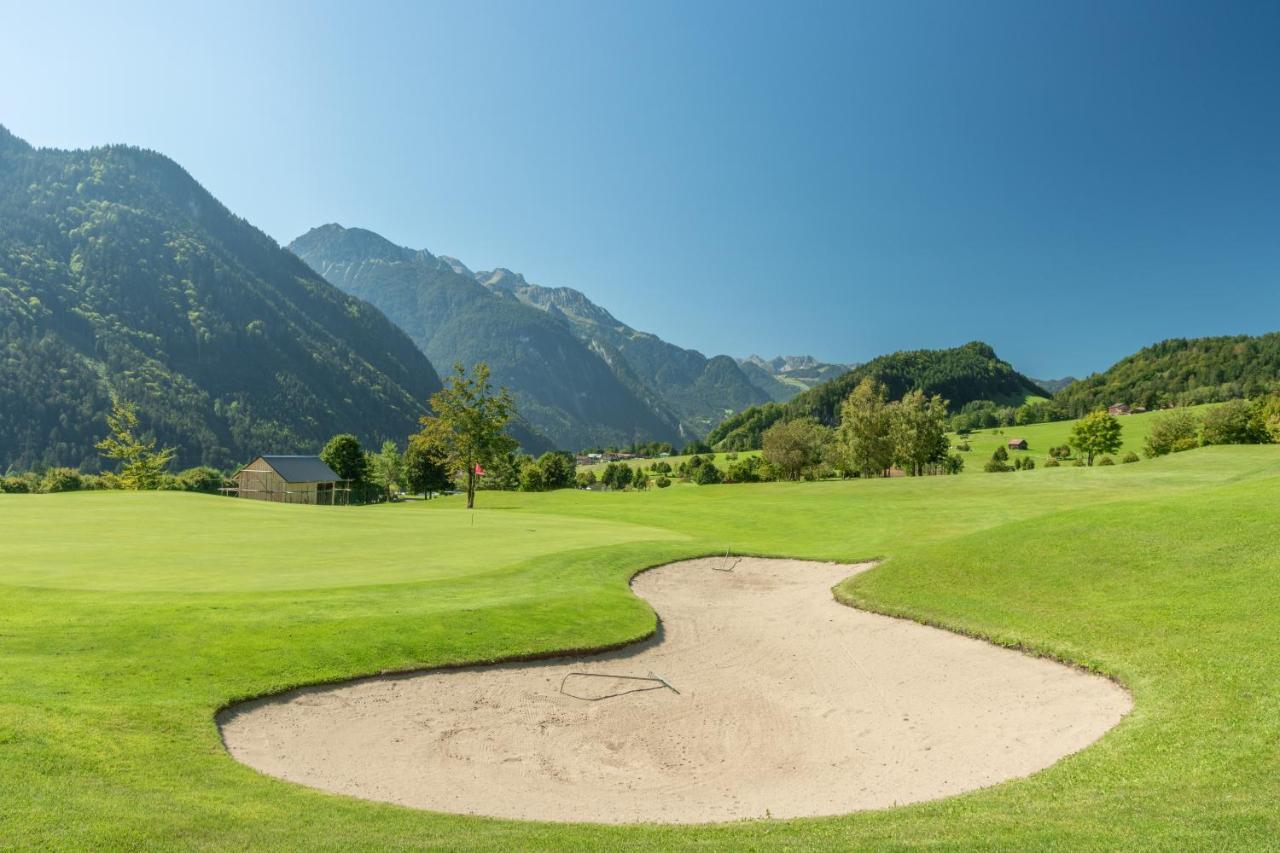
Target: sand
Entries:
(788, 704)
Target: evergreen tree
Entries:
(142, 466)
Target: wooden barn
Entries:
(291, 479)
(1017, 444)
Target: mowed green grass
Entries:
(1041, 437)
(1164, 574)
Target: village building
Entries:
(1119, 409)
(291, 479)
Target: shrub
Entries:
(1172, 433)
(201, 479)
(1079, 463)
(1231, 423)
(1028, 463)
(996, 466)
(749, 470)
(1001, 454)
(963, 447)
(662, 482)
(1051, 462)
(585, 479)
(98, 482)
(1106, 460)
(15, 485)
(707, 474)
(60, 480)
(953, 464)
(1130, 457)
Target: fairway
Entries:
(195, 544)
(1163, 575)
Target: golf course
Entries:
(130, 620)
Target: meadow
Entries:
(1041, 437)
(128, 619)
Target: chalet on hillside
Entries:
(1017, 444)
(291, 480)
(1119, 409)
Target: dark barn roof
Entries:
(301, 469)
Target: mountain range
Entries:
(121, 275)
(579, 375)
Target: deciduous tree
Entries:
(1095, 434)
(794, 449)
(864, 438)
(466, 427)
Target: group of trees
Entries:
(1254, 421)
(876, 435)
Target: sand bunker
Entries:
(788, 704)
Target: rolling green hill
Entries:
(120, 274)
(961, 375)
(565, 389)
(1183, 372)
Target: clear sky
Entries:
(1068, 181)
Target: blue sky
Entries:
(1067, 181)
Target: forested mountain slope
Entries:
(120, 274)
(1182, 371)
(961, 375)
(700, 391)
(569, 391)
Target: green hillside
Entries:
(120, 274)
(563, 388)
(1041, 437)
(1182, 372)
(961, 375)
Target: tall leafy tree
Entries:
(344, 455)
(424, 471)
(141, 465)
(864, 434)
(918, 431)
(466, 429)
(1095, 434)
(386, 468)
(794, 449)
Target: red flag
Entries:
(479, 470)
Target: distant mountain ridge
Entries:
(120, 274)
(564, 388)
(962, 375)
(701, 391)
(785, 376)
(1053, 386)
(654, 390)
